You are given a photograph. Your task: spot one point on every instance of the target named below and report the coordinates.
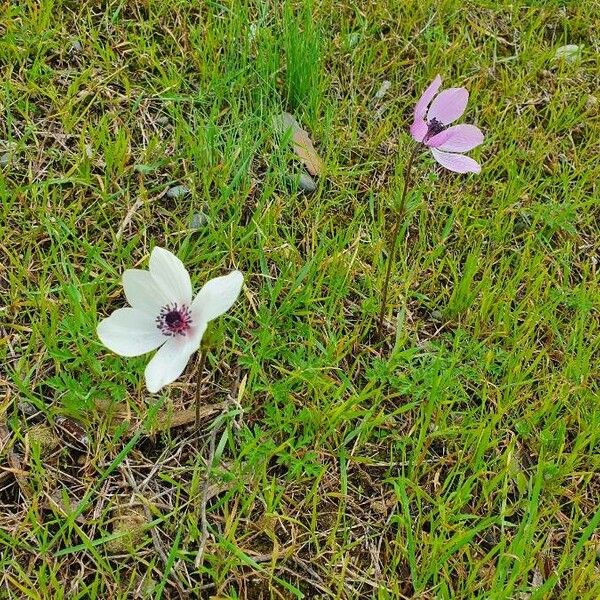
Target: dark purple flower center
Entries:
(434, 127)
(174, 319)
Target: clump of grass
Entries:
(303, 59)
(459, 463)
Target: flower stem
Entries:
(396, 231)
(198, 388)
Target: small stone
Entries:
(383, 89)
(520, 226)
(177, 192)
(76, 46)
(198, 220)
(307, 183)
(353, 39)
(570, 53)
(4, 159)
(162, 120)
(436, 315)
(27, 408)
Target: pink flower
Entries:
(433, 114)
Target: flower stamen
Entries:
(434, 127)
(174, 319)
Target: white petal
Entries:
(142, 292)
(216, 297)
(195, 336)
(129, 332)
(171, 276)
(168, 363)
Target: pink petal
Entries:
(426, 98)
(418, 130)
(456, 162)
(458, 138)
(448, 105)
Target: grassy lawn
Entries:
(456, 458)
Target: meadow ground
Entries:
(458, 458)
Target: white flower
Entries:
(163, 316)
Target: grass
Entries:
(457, 459)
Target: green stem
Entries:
(396, 231)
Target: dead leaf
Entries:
(303, 146)
(166, 418)
(74, 434)
(15, 465)
(185, 416)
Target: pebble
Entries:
(178, 191)
(198, 220)
(570, 53)
(383, 89)
(307, 183)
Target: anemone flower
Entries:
(163, 315)
(433, 114)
